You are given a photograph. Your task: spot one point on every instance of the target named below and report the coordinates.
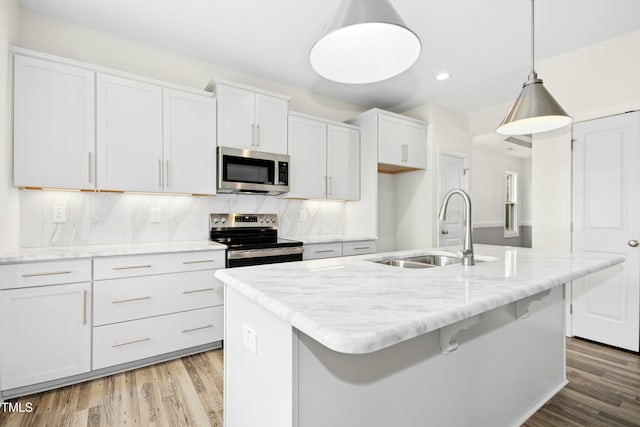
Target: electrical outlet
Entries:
(155, 215)
(59, 215)
(249, 339)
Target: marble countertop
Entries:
(352, 305)
(91, 251)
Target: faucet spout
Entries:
(467, 248)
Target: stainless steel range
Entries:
(252, 239)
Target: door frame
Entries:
(436, 205)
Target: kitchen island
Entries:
(352, 342)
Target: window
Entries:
(511, 225)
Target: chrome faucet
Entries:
(467, 248)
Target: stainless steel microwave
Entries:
(252, 172)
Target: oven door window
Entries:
(243, 169)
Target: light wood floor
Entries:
(604, 390)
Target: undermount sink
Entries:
(428, 260)
(403, 263)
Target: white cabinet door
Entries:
(236, 117)
(414, 136)
(308, 163)
(343, 163)
(129, 135)
(401, 142)
(189, 130)
(46, 333)
(54, 125)
(606, 208)
(271, 124)
(390, 145)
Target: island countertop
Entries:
(352, 305)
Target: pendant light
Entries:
(366, 42)
(535, 110)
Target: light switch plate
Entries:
(249, 339)
(59, 215)
(155, 215)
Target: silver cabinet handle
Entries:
(168, 175)
(52, 273)
(90, 166)
(257, 135)
(326, 186)
(129, 267)
(129, 300)
(330, 185)
(406, 152)
(198, 261)
(197, 290)
(361, 248)
(444, 232)
(120, 344)
(253, 134)
(160, 173)
(84, 307)
(633, 243)
(324, 251)
(184, 331)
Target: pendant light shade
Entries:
(535, 110)
(366, 42)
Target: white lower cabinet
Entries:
(46, 333)
(129, 341)
(338, 249)
(149, 305)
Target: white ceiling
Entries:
(483, 44)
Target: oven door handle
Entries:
(262, 253)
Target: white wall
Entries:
(591, 82)
(103, 218)
(9, 205)
(487, 186)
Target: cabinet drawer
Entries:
(44, 273)
(322, 250)
(359, 247)
(138, 339)
(119, 300)
(144, 265)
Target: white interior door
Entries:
(606, 215)
(451, 231)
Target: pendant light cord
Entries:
(533, 67)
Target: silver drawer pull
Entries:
(197, 290)
(120, 344)
(325, 251)
(129, 300)
(53, 273)
(131, 267)
(198, 262)
(184, 331)
(361, 248)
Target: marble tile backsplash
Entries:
(110, 218)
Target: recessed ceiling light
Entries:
(443, 76)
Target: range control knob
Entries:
(215, 220)
(261, 220)
(273, 220)
(223, 220)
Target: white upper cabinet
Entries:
(401, 142)
(343, 162)
(189, 143)
(325, 159)
(129, 135)
(54, 133)
(251, 120)
(308, 152)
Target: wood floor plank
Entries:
(603, 390)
